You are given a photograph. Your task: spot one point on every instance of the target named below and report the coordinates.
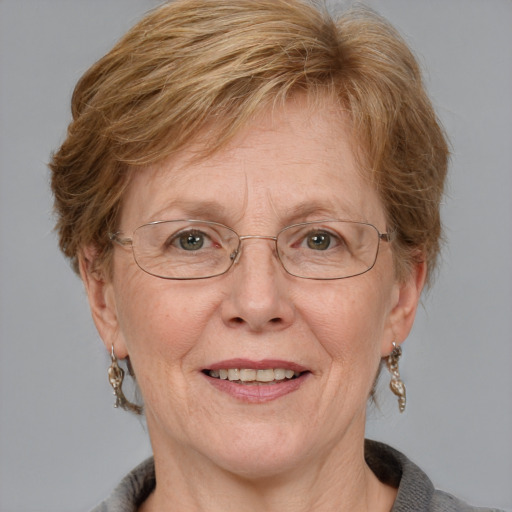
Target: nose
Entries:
(259, 297)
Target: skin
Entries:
(302, 451)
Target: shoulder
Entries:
(416, 493)
(442, 501)
(133, 489)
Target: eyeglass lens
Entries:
(199, 249)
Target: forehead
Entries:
(293, 163)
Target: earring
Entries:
(396, 384)
(116, 377)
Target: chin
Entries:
(261, 452)
(259, 466)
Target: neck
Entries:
(339, 481)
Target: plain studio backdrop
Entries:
(62, 444)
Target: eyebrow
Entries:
(215, 211)
(319, 210)
(192, 210)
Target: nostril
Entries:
(239, 320)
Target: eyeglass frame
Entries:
(235, 256)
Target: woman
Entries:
(250, 192)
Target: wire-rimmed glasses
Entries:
(197, 249)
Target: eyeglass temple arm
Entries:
(386, 237)
(115, 237)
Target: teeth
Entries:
(265, 375)
(279, 374)
(251, 375)
(247, 375)
(233, 374)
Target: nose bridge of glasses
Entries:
(258, 237)
(237, 254)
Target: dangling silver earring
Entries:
(396, 384)
(116, 377)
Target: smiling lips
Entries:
(256, 381)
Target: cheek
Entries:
(162, 320)
(347, 318)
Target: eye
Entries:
(319, 240)
(190, 240)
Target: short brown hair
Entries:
(195, 63)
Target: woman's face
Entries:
(294, 164)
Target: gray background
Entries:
(63, 446)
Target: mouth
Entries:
(256, 381)
(254, 376)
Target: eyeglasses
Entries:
(197, 249)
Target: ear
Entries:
(100, 292)
(404, 306)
